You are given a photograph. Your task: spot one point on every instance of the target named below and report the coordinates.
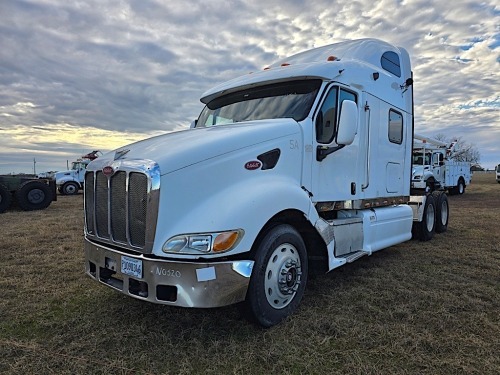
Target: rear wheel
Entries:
(34, 195)
(5, 198)
(424, 230)
(279, 276)
(459, 189)
(461, 186)
(442, 212)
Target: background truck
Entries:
(30, 192)
(434, 168)
(297, 169)
(71, 181)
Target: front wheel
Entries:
(279, 276)
(69, 188)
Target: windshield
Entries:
(76, 165)
(418, 159)
(280, 100)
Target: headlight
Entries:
(204, 243)
(417, 177)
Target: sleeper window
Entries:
(395, 127)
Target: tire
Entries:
(5, 198)
(278, 278)
(69, 188)
(461, 186)
(424, 230)
(459, 189)
(442, 212)
(34, 195)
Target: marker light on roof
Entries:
(285, 64)
(331, 58)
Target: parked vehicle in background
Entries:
(434, 168)
(71, 181)
(300, 168)
(30, 192)
(497, 169)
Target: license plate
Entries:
(132, 267)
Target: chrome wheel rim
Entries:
(283, 276)
(444, 212)
(430, 217)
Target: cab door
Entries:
(334, 177)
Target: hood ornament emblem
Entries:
(108, 170)
(120, 153)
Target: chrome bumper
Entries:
(178, 283)
(418, 184)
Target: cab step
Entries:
(351, 257)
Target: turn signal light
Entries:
(225, 241)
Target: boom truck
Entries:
(297, 169)
(435, 169)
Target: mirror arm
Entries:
(323, 151)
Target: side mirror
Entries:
(348, 123)
(346, 131)
(193, 124)
(441, 159)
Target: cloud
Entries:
(136, 67)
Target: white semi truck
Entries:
(435, 169)
(300, 168)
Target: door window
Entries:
(326, 119)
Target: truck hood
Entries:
(419, 170)
(177, 150)
(64, 173)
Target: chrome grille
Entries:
(101, 205)
(118, 203)
(89, 202)
(122, 209)
(137, 208)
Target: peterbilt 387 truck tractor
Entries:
(300, 168)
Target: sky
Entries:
(77, 76)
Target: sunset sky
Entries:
(77, 76)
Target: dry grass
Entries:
(417, 308)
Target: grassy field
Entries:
(416, 308)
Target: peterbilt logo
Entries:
(253, 165)
(108, 170)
